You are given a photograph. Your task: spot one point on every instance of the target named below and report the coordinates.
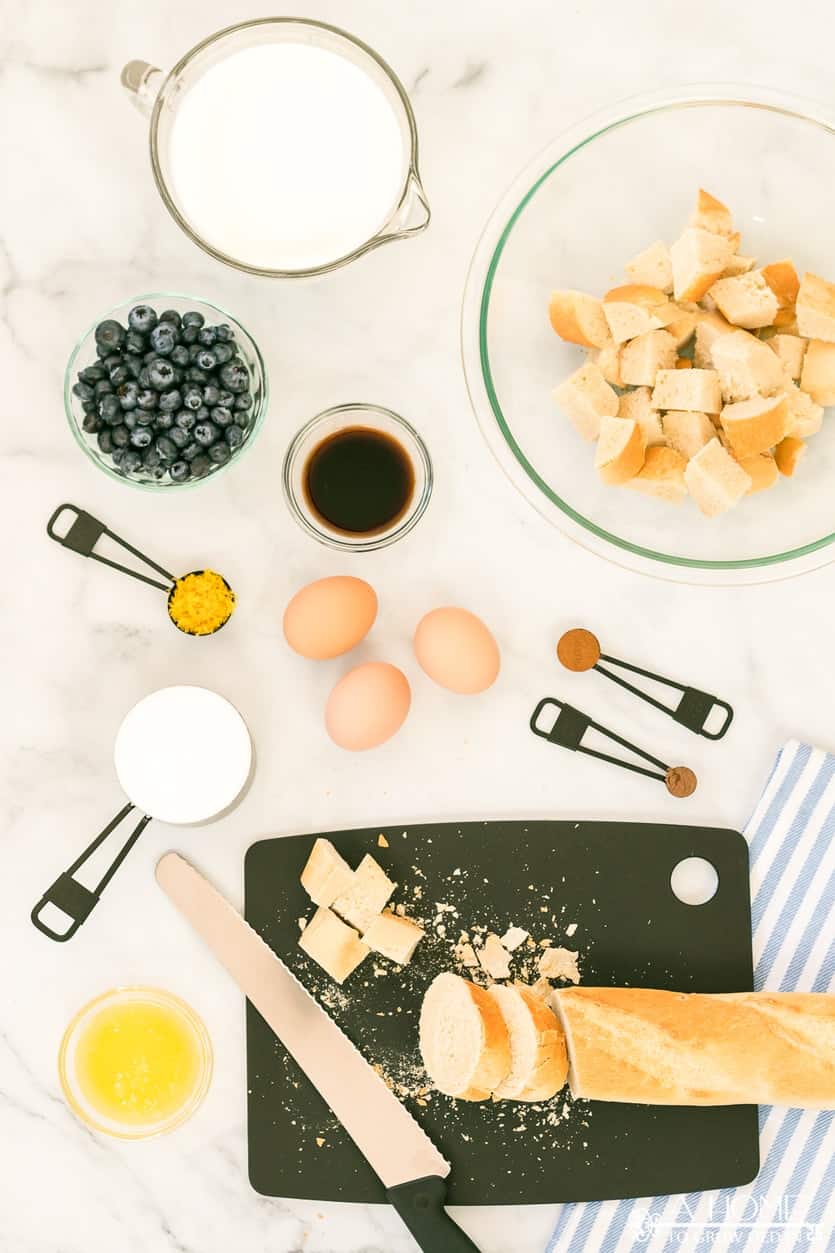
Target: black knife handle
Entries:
(420, 1203)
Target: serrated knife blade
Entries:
(399, 1151)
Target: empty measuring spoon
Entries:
(183, 755)
(205, 589)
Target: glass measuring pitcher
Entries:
(283, 147)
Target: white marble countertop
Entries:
(82, 228)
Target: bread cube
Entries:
(746, 300)
(336, 947)
(637, 405)
(652, 267)
(369, 890)
(818, 374)
(394, 937)
(753, 426)
(620, 451)
(781, 277)
(326, 873)
(687, 431)
(709, 326)
(578, 318)
(788, 454)
(761, 470)
(687, 389)
(746, 366)
(816, 308)
(662, 476)
(644, 356)
(790, 350)
(607, 360)
(634, 310)
(699, 258)
(711, 215)
(682, 323)
(805, 417)
(716, 481)
(739, 265)
(586, 397)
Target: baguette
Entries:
(644, 356)
(637, 405)
(620, 451)
(653, 1047)
(699, 258)
(746, 300)
(816, 308)
(715, 480)
(662, 476)
(332, 944)
(464, 1041)
(586, 397)
(538, 1060)
(636, 309)
(652, 267)
(753, 426)
(578, 318)
(818, 374)
(365, 896)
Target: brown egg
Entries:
(455, 649)
(367, 706)
(328, 618)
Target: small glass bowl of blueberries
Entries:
(165, 391)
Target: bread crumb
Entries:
(494, 958)
(465, 954)
(319, 1141)
(513, 937)
(382, 842)
(570, 929)
(302, 923)
(559, 963)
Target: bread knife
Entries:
(412, 1170)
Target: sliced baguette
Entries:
(393, 936)
(699, 258)
(790, 351)
(687, 389)
(464, 1041)
(816, 308)
(586, 397)
(334, 945)
(620, 451)
(578, 318)
(644, 356)
(635, 309)
(715, 480)
(326, 873)
(687, 431)
(746, 366)
(805, 417)
(711, 215)
(818, 374)
(745, 300)
(365, 896)
(607, 360)
(709, 327)
(662, 476)
(538, 1060)
(781, 277)
(637, 405)
(753, 426)
(652, 267)
(788, 454)
(761, 470)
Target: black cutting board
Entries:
(613, 881)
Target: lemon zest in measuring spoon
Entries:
(201, 602)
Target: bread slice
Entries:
(790, 350)
(368, 892)
(620, 451)
(687, 432)
(652, 267)
(607, 360)
(711, 215)
(393, 936)
(818, 374)
(644, 356)
(805, 417)
(662, 476)
(586, 397)
(746, 366)
(816, 308)
(781, 277)
(709, 326)
(687, 389)
(715, 480)
(578, 318)
(746, 300)
(755, 425)
(538, 1060)
(637, 405)
(788, 454)
(761, 470)
(635, 309)
(699, 258)
(335, 946)
(326, 873)
(464, 1041)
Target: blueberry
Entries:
(142, 319)
(180, 471)
(110, 335)
(149, 356)
(134, 342)
(234, 437)
(92, 373)
(91, 423)
(193, 318)
(222, 416)
(186, 419)
(206, 360)
(160, 373)
(192, 398)
(128, 394)
(90, 406)
(207, 336)
(172, 316)
(120, 436)
(223, 352)
(151, 458)
(110, 411)
(224, 332)
(179, 355)
(166, 448)
(189, 334)
(133, 364)
(179, 437)
(105, 441)
(195, 375)
(206, 433)
(111, 360)
(211, 395)
(83, 391)
(131, 461)
(191, 451)
(244, 401)
(146, 417)
(163, 338)
(219, 453)
(103, 388)
(141, 437)
(163, 421)
(194, 352)
(200, 466)
(169, 401)
(119, 374)
(235, 376)
(226, 398)
(202, 414)
(130, 418)
(147, 398)
(117, 456)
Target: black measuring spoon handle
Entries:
(420, 1203)
(75, 899)
(84, 533)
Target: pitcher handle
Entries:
(412, 215)
(143, 82)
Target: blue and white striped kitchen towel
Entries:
(790, 1206)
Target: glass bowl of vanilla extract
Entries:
(358, 477)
